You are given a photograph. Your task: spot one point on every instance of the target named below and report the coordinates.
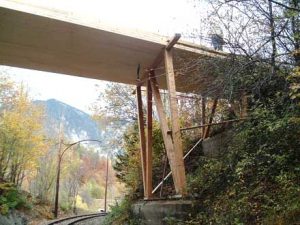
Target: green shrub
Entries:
(257, 181)
(121, 214)
(11, 198)
(97, 192)
(65, 206)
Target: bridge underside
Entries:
(41, 39)
(47, 40)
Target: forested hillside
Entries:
(30, 147)
(77, 125)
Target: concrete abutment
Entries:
(161, 212)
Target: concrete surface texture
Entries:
(162, 212)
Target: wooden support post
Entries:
(176, 134)
(213, 110)
(244, 105)
(164, 128)
(163, 175)
(149, 187)
(142, 134)
(203, 116)
(106, 184)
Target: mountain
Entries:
(77, 125)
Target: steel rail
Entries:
(86, 216)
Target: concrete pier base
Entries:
(162, 212)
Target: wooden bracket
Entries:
(159, 58)
(173, 41)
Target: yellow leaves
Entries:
(21, 137)
(294, 78)
(80, 203)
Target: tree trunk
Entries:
(273, 41)
(296, 33)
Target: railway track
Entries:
(76, 220)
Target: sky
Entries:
(165, 17)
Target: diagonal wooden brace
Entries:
(176, 133)
(176, 168)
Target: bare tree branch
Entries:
(285, 6)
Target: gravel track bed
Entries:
(82, 220)
(93, 221)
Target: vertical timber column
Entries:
(244, 111)
(203, 119)
(176, 133)
(142, 133)
(149, 187)
(213, 111)
(164, 129)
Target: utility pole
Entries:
(58, 169)
(57, 181)
(60, 157)
(106, 182)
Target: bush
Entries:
(121, 214)
(97, 192)
(11, 198)
(257, 181)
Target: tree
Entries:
(117, 103)
(260, 36)
(21, 142)
(256, 180)
(42, 184)
(115, 108)
(73, 178)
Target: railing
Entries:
(169, 174)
